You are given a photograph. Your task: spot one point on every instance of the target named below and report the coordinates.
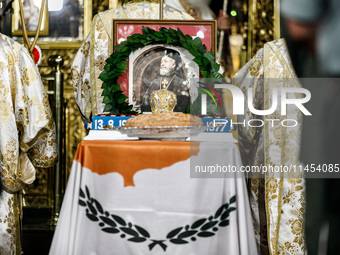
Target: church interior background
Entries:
(253, 22)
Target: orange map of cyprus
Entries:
(129, 157)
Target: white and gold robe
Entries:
(90, 59)
(200, 6)
(27, 135)
(277, 201)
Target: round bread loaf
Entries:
(164, 119)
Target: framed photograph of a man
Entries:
(159, 66)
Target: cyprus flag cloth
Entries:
(137, 197)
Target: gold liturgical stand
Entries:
(56, 89)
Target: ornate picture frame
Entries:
(190, 27)
(31, 15)
(54, 40)
(144, 64)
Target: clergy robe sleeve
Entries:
(27, 129)
(81, 79)
(278, 202)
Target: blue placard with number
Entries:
(214, 125)
(217, 125)
(106, 122)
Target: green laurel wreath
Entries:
(116, 64)
(113, 224)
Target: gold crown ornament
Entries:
(162, 101)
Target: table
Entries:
(137, 197)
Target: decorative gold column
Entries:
(263, 24)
